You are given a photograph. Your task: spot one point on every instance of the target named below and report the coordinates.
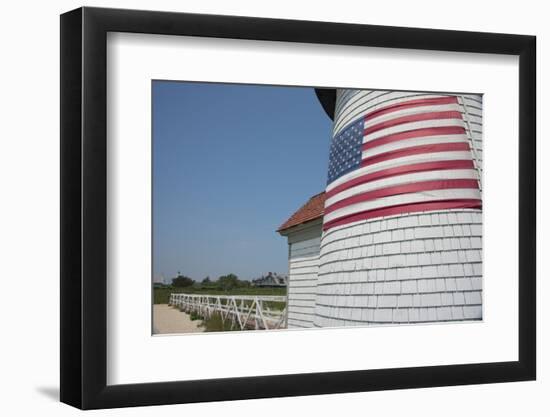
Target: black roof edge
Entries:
(327, 97)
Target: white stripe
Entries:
(407, 143)
(420, 197)
(410, 111)
(446, 174)
(406, 160)
(413, 126)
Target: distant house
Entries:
(270, 280)
(303, 230)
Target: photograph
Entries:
(297, 207)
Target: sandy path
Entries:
(170, 320)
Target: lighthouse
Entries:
(399, 233)
(402, 225)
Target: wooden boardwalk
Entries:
(243, 311)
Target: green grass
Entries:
(216, 324)
(162, 295)
(195, 316)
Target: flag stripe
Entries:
(394, 163)
(413, 118)
(410, 111)
(403, 189)
(430, 131)
(405, 208)
(421, 124)
(400, 170)
(415, 150)
(409, 198)
(411, 103)
(423, 140)
(415, 177)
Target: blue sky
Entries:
(230, 163)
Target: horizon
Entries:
(264, 274)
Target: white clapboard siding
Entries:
(407, 268)
(304, 244)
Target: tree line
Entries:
(224, 282)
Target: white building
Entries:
(399, 238)
(303, 230)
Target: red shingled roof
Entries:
(312, 210)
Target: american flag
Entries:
(409, 155)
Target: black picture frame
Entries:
(84, 207)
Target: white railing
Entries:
(245, 311)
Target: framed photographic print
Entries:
(257, 208)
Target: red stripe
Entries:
(402, 189)
(412, 103)
(413, 118)
(429, 131)
(401, 170)
(405, 208)
(415, 150)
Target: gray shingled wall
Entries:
(401, 269)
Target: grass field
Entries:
(162, 295)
